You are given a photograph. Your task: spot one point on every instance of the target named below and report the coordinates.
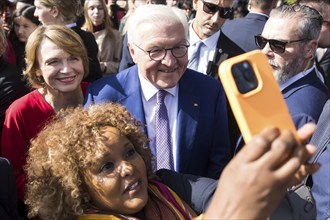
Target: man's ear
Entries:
(132, 51)
(311, 49)
(195, 4)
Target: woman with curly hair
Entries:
(95, 163)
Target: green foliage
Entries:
(290, 1)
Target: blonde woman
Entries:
(56, 64)
(108, 39)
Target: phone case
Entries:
(261, 107)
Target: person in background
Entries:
(322, 56)
(23, 3)
(24, 23)
(117, 11)
(209, 46)
(172, 3)
(56, 64)
(242, 31)
(11, 85)
(65, 12)
(321, 180)
(195, 124)
(108, 39)
(106, 172)
(188, 8)
(8, 196)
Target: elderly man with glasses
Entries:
(184, 111)
(289, 39)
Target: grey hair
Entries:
(310, 20)
(154, 14)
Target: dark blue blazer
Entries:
(243, 30)
(203, 141)
(305, 99)
(8, 198)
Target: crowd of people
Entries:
(114, 109)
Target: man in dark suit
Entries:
(243, 30)
(209, 46)
(206, 28)
(8, 198)
(196, 104)
(289, 47)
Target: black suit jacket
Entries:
(92, 51)
(12, 87)
(196, 191)
(324, 67)
(243, 30)
(226, 48)
(8, 198)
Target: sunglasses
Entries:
(210, 8)
(275, 45)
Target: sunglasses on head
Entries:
(210, 8)
(275, 45)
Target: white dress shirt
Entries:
(149, 106)
(207, 50)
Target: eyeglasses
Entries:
(210, 8)
(275, 45)
(159, 54)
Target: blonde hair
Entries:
(88, 25)
(60, 35)
(65, 148)
(68, 9)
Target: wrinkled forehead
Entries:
(164, 27)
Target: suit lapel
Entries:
(302, 82)
(133, 98)
(188, 115)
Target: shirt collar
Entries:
(71, 25)
(295, 78)
(149, 90)
(210, 42)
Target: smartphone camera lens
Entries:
(244, 76)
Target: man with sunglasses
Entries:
(243, 30)
(195, 103)
(289, 39)
(209, 46)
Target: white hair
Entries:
(155, 14)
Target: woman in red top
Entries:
(56, 64)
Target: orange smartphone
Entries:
(254, 95)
